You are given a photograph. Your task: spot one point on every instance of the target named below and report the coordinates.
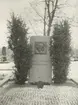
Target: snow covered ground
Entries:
(73, 70)
(7, 69)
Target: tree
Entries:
(60, 51)
(50, 11)
(50, 7)
(18, 43)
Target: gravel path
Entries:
(49, 95)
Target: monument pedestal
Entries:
(41, 69)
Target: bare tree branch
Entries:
(45, 20)
(32, 27)
(50, 11)
(36, 11)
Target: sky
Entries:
(23, 8)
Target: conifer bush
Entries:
(18, 43)
(60, 51)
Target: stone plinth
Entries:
(41, 63)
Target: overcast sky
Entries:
(22, 7)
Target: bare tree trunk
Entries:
(45, 21)
(49, 29)
(51, 14)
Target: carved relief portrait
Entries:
(40, 48)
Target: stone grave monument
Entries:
(41, 69)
